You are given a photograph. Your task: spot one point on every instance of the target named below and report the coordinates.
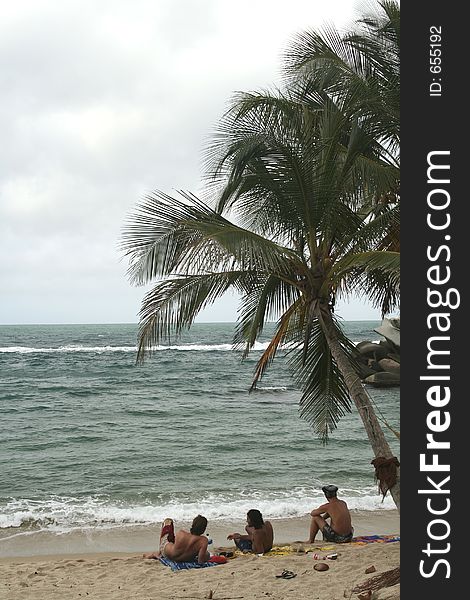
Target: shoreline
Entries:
(138, 539)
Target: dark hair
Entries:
(330, 491)
(199, 525)
(256, 518)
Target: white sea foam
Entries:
(62, 514)
(100, 349)
(258, 346)
(62, 349)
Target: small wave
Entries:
(86, 438)
(81, 393)
(274, 388)
(102, 349)
(37, 446)
(258, 346)
(61, 514)
(65, 349)
(146, 412)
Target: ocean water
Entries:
(89, 439)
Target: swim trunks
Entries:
(163, 542)
(244, 545)
(330, 535)
(167, 535)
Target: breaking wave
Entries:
(63, 514)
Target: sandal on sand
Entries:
(286, 575)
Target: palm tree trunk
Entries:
(359, 396)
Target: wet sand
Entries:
(16, 543)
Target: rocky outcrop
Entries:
(378, 364)
(390, 365)
(390, 329)
(383, 379)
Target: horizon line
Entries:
(137, 323)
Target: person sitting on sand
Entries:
(339, 530)
(185, 545)
(260, 535)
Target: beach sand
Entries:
(115, 575)
(122, 577)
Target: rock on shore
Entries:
(378, 364)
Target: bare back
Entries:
(340, 516)
(262, 538)
(187, 547)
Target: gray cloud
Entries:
(101, 103)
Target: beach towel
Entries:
(179, 566)
(275, 551)
(369, 539)
(289, 549)
(280, 551)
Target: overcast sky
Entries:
(102, 102)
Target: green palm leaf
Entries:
(166, 235)
(325, 397)
(172, 305)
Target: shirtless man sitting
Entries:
(185, 545)
(260, 535)
(339, 530)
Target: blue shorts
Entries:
(244, 545)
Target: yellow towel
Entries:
(288, 549)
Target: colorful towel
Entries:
(289, 549)
(306, 548)
(369, 539)
(275, 551)
(178, 566)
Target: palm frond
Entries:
(358, 70)
(172, 305)
(166, 235)
(325, 397)
(265, 301)
(269, 354)
(386, 262)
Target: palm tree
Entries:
(342, 96)
(361, 67)
(361, 71)
(288, 229)
(290, 259)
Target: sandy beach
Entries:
(125, 575)
(121, 576)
